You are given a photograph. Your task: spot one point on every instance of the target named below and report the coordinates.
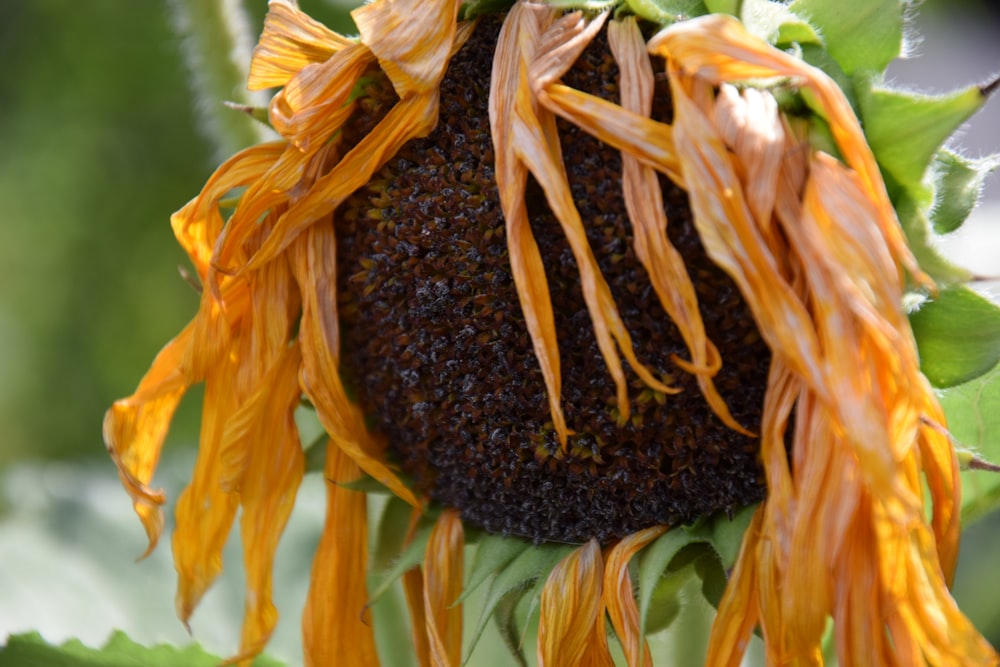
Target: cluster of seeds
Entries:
(436, 346)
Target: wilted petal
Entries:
(571, 609)
(443, 579)
(412, 39)
(314, 263)
(267, 489)
(336, 625)
(620, 597)
(291, 41)
(644, 202)
(719, 49)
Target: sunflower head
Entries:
(575, 285)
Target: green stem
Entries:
(217, 43)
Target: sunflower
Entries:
(577, 285)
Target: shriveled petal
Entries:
(718, 48)
(336, 625)
(197, 226)
(644, 202)
(620, 598)
(738, 609)
(135, 428)
(268, 485)
(534, 49)
(314, 263)
(205, 512)
(413, 589)
(315, 102)
(512, 177)
(443, 579)
(412, 39)
(291, 41)
(571, 610)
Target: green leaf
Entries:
(731, 7)
(665, 12)
(972, 410)
(713, 577)
(919, 238)
(861, 35)
(958, 336)
(494, 552)
(905, 129)
(31, 650)
(653, 562)
(958, 182)
(530, 564)
(392, 527)
(506, 623)
(774, 22)
(412, 556)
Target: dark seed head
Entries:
(436, 344)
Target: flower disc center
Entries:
(436, 345)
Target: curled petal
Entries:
(443, 566)
(620, 598)
(291, 41)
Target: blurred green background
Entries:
(99, 142)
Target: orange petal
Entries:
(570, 609)
(413, 589)
(738, 612)
(205, 512)
(512, 178)
(619, 596)
(718, 48)
(443, 579)
(336, 625)
(291, 41)
(644, 203)
(267, 489)
(316, 102)
(135, 428)
(413, 40)
(314, 263)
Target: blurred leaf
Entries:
(30, 650)
(775, 23)
(665, 12)
(861, 35)
(973, 411)
(958, 336)
(958, 184)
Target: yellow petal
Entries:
(315, 102)
(412, 39)
(738, 609)
(718, 48)
(199, 223)
(135, 427)
(620, 598)
(336, 625)
(205, 512)
(443, 579)
(314, 263)
(570, 608)
(534, 49)
(291, 41)
(267, 488)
